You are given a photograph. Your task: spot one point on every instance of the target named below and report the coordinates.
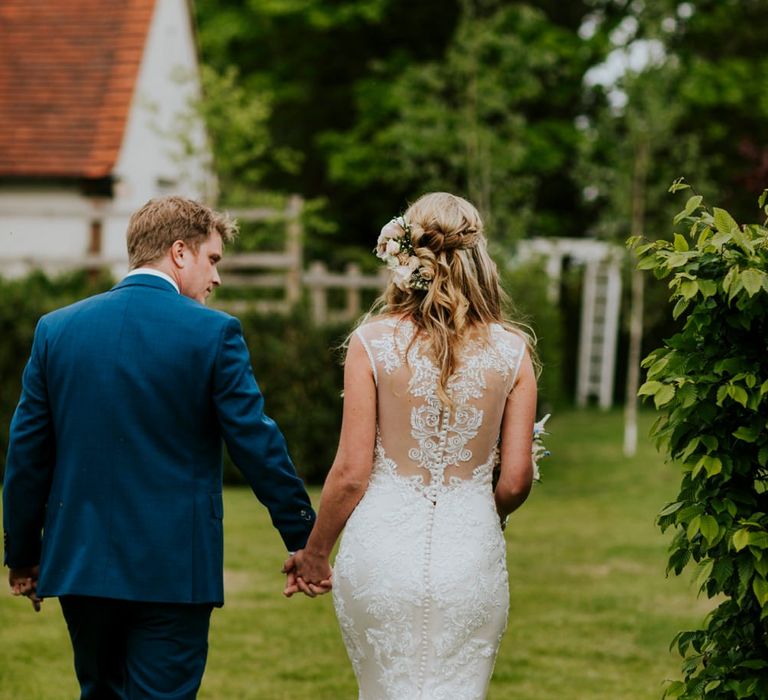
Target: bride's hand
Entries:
(307, 572)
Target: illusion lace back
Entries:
(420, 580)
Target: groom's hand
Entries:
(308, 573)
(24, 582)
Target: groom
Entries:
(112, 494)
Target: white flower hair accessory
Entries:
(395, 248)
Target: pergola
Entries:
(600, 306)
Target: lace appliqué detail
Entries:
(442, 434)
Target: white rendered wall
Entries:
(150, 162)
(55, 222)
(42, 223)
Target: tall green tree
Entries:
(721, 49)
(463, 123)
(345, 80)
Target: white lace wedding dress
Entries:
(420, 580)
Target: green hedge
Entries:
(526, 286)
(295, 364)
(22, 302)
(298, 365)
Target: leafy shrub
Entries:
(527, 287)
(298, 368)
(710, 384)
(297, 364)
(22, 302)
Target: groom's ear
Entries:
(178, 252)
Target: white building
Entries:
(95, 96)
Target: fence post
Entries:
(318, 292)
(353, 291)
(293, 247)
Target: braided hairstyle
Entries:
(463, 290)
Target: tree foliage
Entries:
(710, 384)
(462, 123)
(383, 100)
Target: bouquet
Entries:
(538, 450)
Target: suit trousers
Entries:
(130, 650)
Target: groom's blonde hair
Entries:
(463, 292)
(162, 221)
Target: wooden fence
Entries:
(282, 271)
(285, 271)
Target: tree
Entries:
(462, 123)
(341, 79)
(710, 384)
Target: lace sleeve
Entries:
(370, 355)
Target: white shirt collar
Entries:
(154, 272)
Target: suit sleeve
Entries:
(29, 463)
(255, 443)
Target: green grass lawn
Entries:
(591, 612)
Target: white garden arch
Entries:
(600, 306)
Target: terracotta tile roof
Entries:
(67, 74)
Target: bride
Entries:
(438, 389)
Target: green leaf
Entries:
(670, 508)
(705, 571)
(712, 465)
(738, 394)
(740, 539)
(690, 448)
(704, 236)
(649, 388)
(678, 259)
(693, 527)
(747, 434)
(752, 280)
(760, 588)
(710, 441)
(691, 205)
(647, 263)
(680, 307)
(729, 278)
(709, 527)
(742, 240)
(761, 199)
(720, 239)
(764, 387)
(680, 243)
(688, 289)
(687, 395)
(708, 287)
(675, 689)
(664, 395)
(724, 222)
(712, 685)
(680, 184)
(722, 392)
(657, 367)
(749, 538)
(758, 539)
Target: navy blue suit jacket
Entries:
(113, 477)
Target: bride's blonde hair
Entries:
(463, 289)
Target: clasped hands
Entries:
(307, 573)
(23, 581)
